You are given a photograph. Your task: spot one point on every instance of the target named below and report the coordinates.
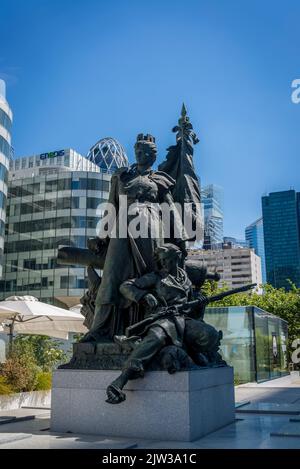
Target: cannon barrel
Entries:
(78, 256)
(196, 270)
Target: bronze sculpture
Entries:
(147, 309)
(168, 287)
(143, 187)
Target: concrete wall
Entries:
(27, 399)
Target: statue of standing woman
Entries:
(131, 255)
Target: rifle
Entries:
(137, 328)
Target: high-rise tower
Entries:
(254, 234)
(5, 155)
(212, 199)
(281, 220)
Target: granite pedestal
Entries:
(183, 407)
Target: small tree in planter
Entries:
(46, 351)
(20, 369)
(5, 388)
(30, 362)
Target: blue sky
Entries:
(81, 70)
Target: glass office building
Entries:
(212, 199)
(5, 155)
(281, 224)
(254, 342)
(254, 234)
(235, 242)
(236, 266)
(52, 202)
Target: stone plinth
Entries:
(110, 356)
(183, 407)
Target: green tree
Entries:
(29, 363)
(5, 388)
(46, 351)
(20, 370)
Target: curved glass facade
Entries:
(5, 154)
(5, 120)
(4, 147)
(3, 173)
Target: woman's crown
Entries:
(145, 138)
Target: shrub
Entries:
(44, 380)
(30, 362)
(4, 387)
(20, 374)
(237, 379)
(45, 351)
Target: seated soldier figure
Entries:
(168, 287)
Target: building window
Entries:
(80, 283)
(75, 185)
(93, 202)
(44, 282)
(64, 282)
(64, 184)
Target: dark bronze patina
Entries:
(146, 311)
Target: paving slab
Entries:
(29, 426)
(289, 429)
(241, 404)
(22, 412)
(284, 381)
(6, 438)
(281, 442)
(270, 408)
(276, 395)
(4, 418)
(69, 441)
(35, 407)
(14, 419)
(253, 432)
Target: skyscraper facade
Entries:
(281, 224)
(53, 201)
(236, 266)
(212, 199)
(254, 235)
(5, 155)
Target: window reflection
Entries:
(254, 342)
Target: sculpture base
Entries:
(182, 407)
(110, 356)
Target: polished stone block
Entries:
(182, 407)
